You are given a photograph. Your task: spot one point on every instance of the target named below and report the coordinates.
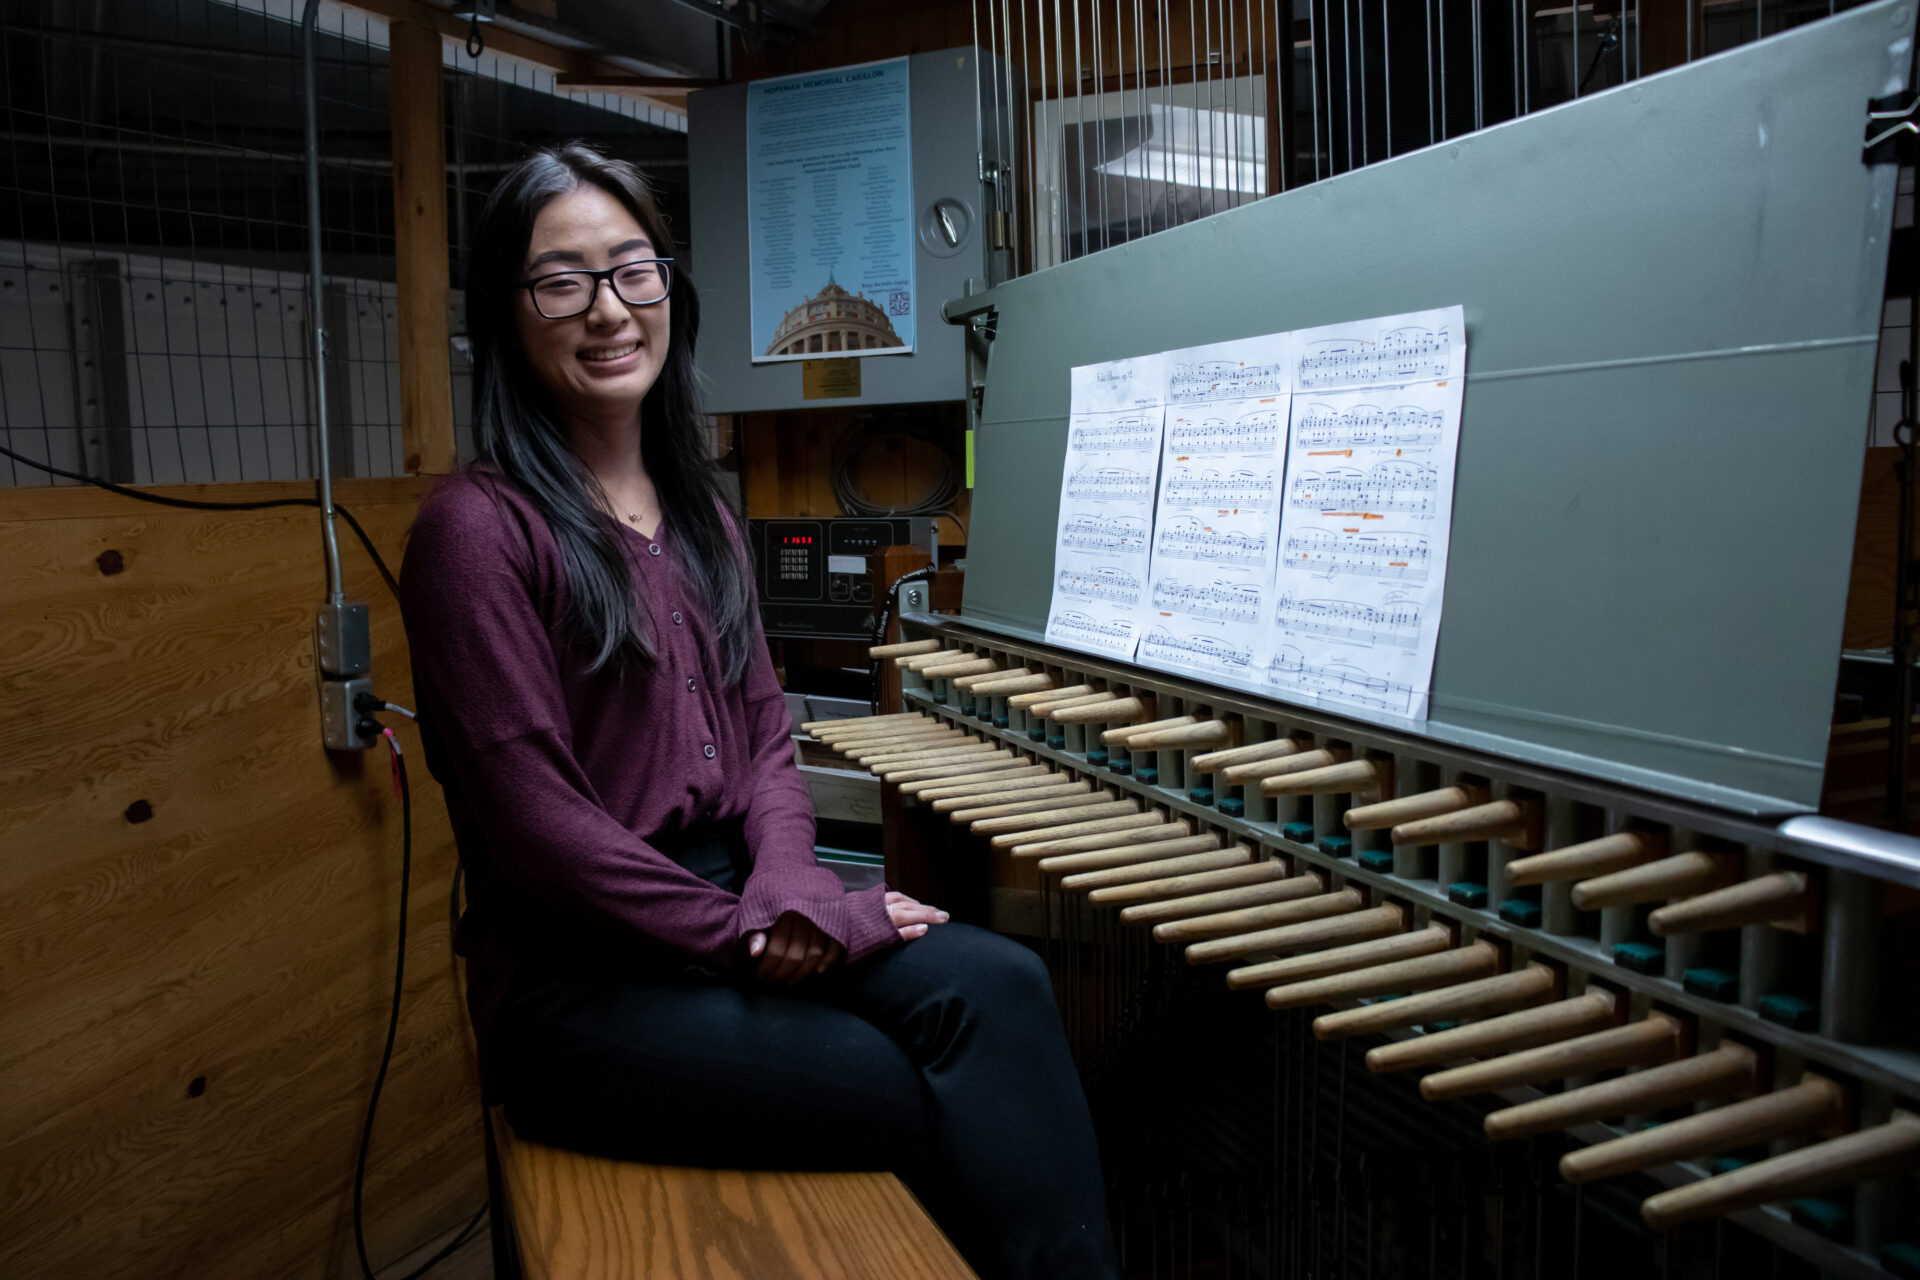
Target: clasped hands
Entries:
(795, 948)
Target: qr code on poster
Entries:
(899, 303)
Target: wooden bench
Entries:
(576, 1217)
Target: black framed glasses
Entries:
(640, 283)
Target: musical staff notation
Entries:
(1394, 624)
(1250, 433)
(1209, 488)
(1117, 535)
(1344, 681)
(1120, 435)
(1364, 426)
(1188, 539)
(1413, 353)
(1110, 484)
(1190, 650)
(1108, 582)
(1091, 628)
(1402, 557)
(1225, 380)
(1398, 484)
(1219, 601)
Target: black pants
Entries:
(941, 1059)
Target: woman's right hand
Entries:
(912, 918)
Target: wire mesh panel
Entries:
(1132, 116)
(155, 317)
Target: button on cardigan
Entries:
(565, 786)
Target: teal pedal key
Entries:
(1902, 1259)
(967, 707)
(1790, 1011)
(1726, 1164)
(1521, 911)
(1148, 773)
(1298, 832)
(1823, 1217)
(1058, 741)
(1714, 984)
(1000, 722)
(1233, 807)
(1200, 795)
(1467, 893)
(1096, 755)
(1336, 846)
(1641, 957)
(1380, 860)
(1038, 732)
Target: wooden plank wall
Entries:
(787, 464)
(198, 905)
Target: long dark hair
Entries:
(518, 432)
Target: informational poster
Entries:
(1218, 511)
(1101, 551)
(1368, 512)
(830, 214)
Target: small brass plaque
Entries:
(830, 379)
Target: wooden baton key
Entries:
(1131, 708)
(1814, 1105)
(1780, 897)
(1190, 864)
(1079, 792)
(1120, 733)
(1543, 1024)
(1676, 877)
(1499, 993)
(1060, 815)
(1731, 1069)
(1428, 804)
(1233, 897)
(1655, 1038)
(1213, 761)
(1477, 959)
(1161, 829)
(898, 757)
(904, 649)
(1176, 888)
(975, 679)
(1878, 1152)
(1046, 710)
(921, 661)
(1124, 815)
(826, 730)
(1599, 857)
(1129, 855)
(1201, 733)
(994, 773)
(1297, 762)
(997, 685)
(1358, 955)
(1012, 782)
(1364, 778)
(1027, 701)
(1352, 925)
(991, 761)
(1270, 915)
(1515, 821)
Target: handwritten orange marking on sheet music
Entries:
(1333, 453)
(1396, 564)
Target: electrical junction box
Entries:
(815, 577)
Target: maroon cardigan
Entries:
(559, 781)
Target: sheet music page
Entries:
(1368, 510)
(1214, 524)
(1106, 505)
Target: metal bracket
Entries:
(1887, 120)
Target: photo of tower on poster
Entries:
(830, 233)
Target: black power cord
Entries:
(195, 504)
(367, 705)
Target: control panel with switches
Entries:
(815, 576)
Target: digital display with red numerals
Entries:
(797, 540)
